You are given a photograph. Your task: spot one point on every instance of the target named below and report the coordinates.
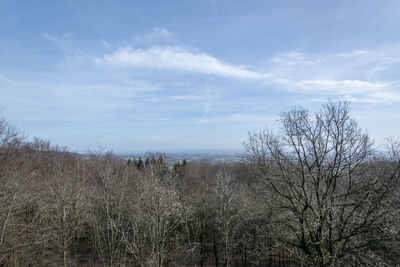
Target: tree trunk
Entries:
(201, 248)
(65, 258)
(215, 250)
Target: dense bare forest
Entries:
(315, 193)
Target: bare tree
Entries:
(316, 174)
(13, 175)
(195, 188)
(109, 196)
(155, 213)
(64, 204)
(228, 205)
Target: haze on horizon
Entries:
(182, 75)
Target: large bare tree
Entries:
(320, 184)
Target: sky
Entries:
(133, 76)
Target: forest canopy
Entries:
(316, 193)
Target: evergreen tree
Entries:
(140, 164)
(135, 162)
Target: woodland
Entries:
(317, 192)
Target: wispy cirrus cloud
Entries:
(61, 41)
(50, 37)
(176, 58)
(206, 110)
(339, 86)
(358, 75)
(350, 90)
(295, 58)
(156, 35)
(4, 78)
(188, 97)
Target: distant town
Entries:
(209, 156)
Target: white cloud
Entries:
(354, 54)
(239, 117)
(355, 75)
(157, 34)
(50, 37)
(7, 79)
(176, 58)
(339, 86)
(206, 109)
(104, 43)
(66, 44)
(161, 32)
(359, 75)
(351, 90)
(295, 58)
(188, 97)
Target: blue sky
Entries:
(178, 75)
